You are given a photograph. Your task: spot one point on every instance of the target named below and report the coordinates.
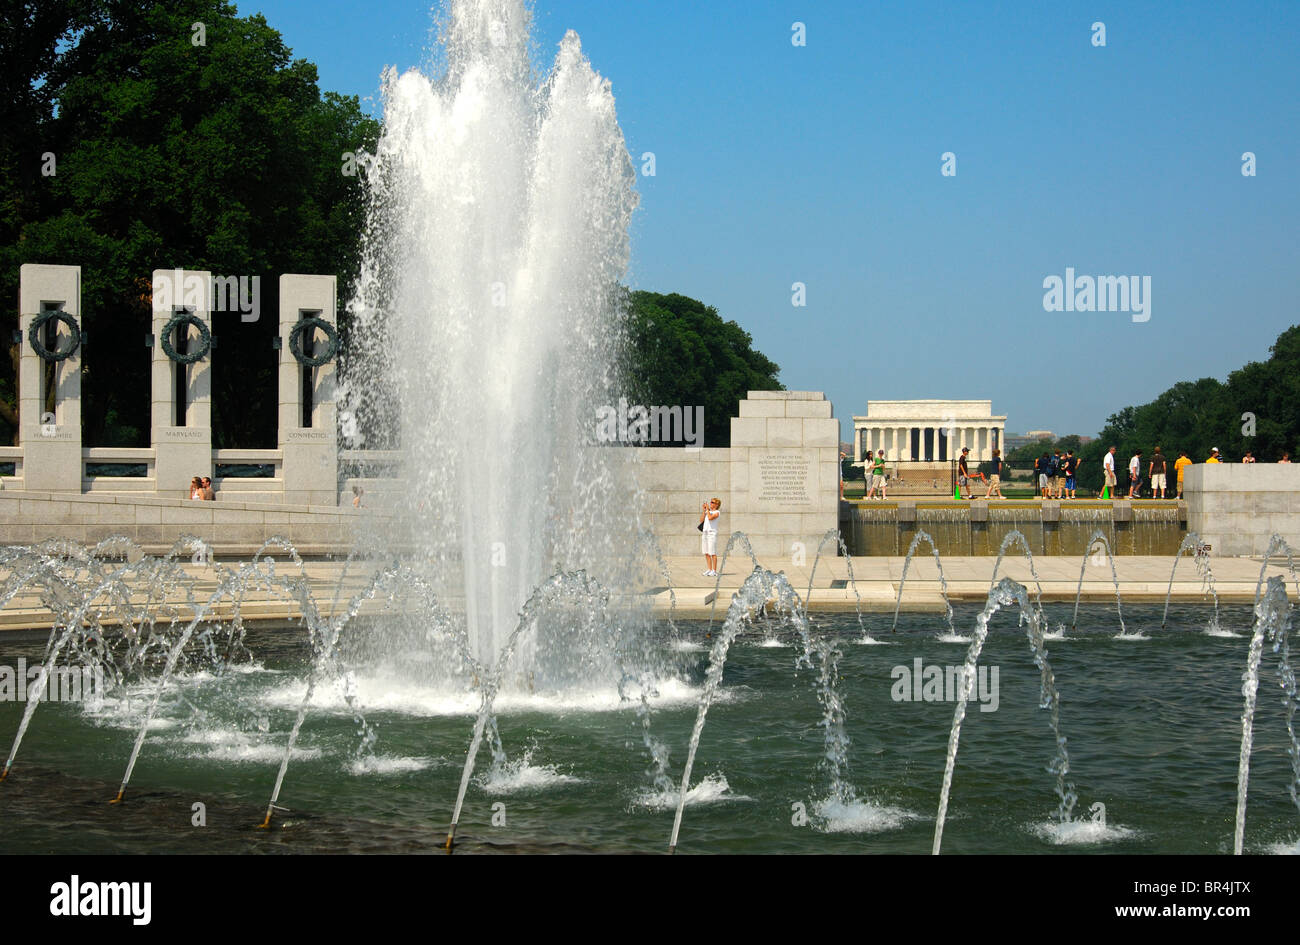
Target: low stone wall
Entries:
(778, 481)
(1237, 507)
(979, 528)
(230, 528)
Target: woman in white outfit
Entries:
(709, 513)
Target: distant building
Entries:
(920, 430)
(1017, 440)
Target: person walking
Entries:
(1108, 467)
(1156, 471)
(963, 472)
(1135, 476)
(878, 478)
(995, 476)
(1181, 463)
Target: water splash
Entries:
(488, 321)
(1010, 538)
(833, 535)
(1272, 620)
(1277, 545)
(591, 615)
(1099, 535)
(1007, 593)
(943, 582)
(1201, 557)
(761, 591)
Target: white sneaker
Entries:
(706, 574)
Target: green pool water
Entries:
(1153, 726)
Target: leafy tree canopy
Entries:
(1257, 409)
(682, 352)
(168, 152)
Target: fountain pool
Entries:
(1153, 721)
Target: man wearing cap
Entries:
(1214, 455)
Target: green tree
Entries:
(1256, 409)
(221, 155)
(682, 352)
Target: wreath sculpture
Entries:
(205, 338)
(34, 335)
(296, 336)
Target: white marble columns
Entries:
(942, 428)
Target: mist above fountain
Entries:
(487, 321)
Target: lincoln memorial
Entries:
(921, 430)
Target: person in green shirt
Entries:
(878, 478)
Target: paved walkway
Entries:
(876, 578)
(1141, 578)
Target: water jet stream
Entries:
(1078, 593)
(943, 583)
(1272, 620)
(1008, 592)
(1201, 559)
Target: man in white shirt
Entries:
(1109, 464)
(1135, 476)
(709, 513)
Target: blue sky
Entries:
(821, 164)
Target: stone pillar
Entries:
(310, 467)
(51, 444)
(181, 450)
(784, 473)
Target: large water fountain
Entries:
(487, 323)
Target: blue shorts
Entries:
(1069, 483)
